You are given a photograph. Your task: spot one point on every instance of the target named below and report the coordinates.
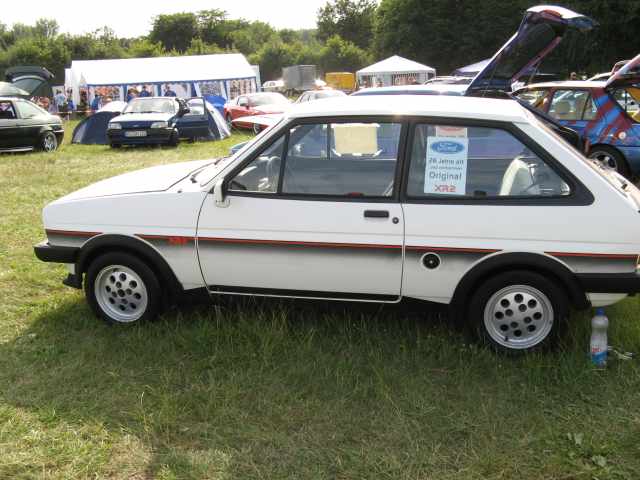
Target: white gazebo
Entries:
(394, 70)
(223, 75)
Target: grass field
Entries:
(271, 389)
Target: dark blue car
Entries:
(147, 121)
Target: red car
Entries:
(254, 104)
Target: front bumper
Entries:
(154, 136)
(51, 253)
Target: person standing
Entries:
(145, 92)
(168, 92)
(60, 101)
(96, 103)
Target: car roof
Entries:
(421, 105)
(568, 84)
(431, 88)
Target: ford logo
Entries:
(447, 147)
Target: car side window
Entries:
(342, 159)
(262, 174)
(7, 112)
(569, 104)
(477, 162)
(627, 99)
(28, 110)
(535, 98)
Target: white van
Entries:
(463, 201)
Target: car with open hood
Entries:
(148, 121)
(466, 202)
(605, 113)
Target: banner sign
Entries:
(446, 166)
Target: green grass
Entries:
(271, 389)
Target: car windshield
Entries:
(266, 99)
(151, 105)
(207, 173)
(330, 93)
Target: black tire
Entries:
(536, 308)
(146, 286)
(174, 139)
(48, 142)
(611, 157)
(115, 145)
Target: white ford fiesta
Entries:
(471, 202)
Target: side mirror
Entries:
(218, 194)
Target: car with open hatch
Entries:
(147, 121)
(25, 126)
(605, 113)
(468, 202)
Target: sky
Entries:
(131, 18)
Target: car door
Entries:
(194, 124)
(573, 108)
(10, 136)
(240, 108)
(313, 214)
(473, 190)
(31, 119)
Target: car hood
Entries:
(143, 117)
(154, 179)
(628, 75)
(271, 108)
(540, 31)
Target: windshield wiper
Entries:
(195, 174)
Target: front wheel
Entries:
(518, 312)
(48, 142)
(121, 289)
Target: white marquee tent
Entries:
(225, 75)
(393, 71)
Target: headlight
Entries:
(115, 126)
(159, 125)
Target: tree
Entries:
(174, 31)
(143, 48)
(341, 55)
(200, 47)
(350, 19)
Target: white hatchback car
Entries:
(470, 202)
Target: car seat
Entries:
(518, 180)
(562, 110)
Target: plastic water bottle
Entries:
(599, 344)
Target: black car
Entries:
(147, 121)
(25, 126)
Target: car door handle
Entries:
(376, 213)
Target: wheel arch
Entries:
(503, 262)
(111, 243)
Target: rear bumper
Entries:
(50, 253)
(610, 282)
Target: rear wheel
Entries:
(121, 289)
(610, 159)
(48, 142)
(518, 312)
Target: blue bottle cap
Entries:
(600, 311)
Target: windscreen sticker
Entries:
(449, 131)
(446, 166)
